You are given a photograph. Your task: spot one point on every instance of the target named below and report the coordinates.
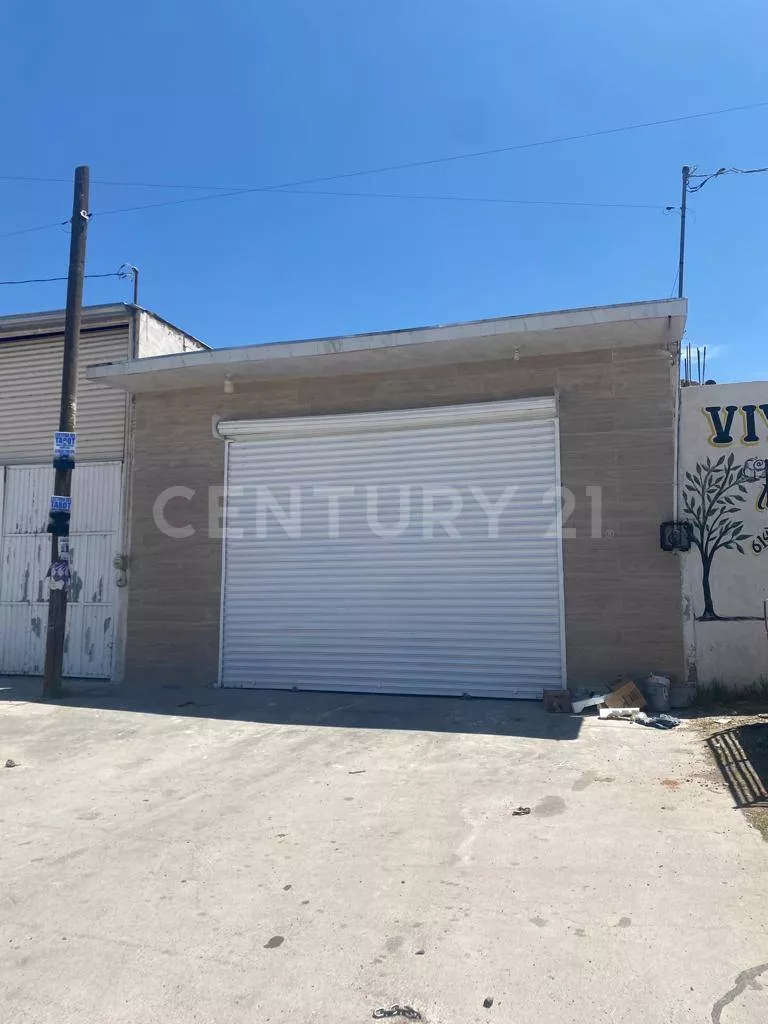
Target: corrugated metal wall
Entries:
(25, 551)
(30, 382)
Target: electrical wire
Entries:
(719, 173)
(42, 280)
(495, 200)
(40, 227)
(222, 192)
(387, 195)
(673, 289)
(467, 199)
(232, 189)
(731, 170)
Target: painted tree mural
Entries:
(712, 499)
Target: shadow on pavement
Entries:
(286, 707)
(741, 755)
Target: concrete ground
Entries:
(226, 857)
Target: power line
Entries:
(732, 170)
(40, 227)
(719, 173)
(674, 285)
(236, 189)
(389, 195)
(426, 197)
(223, 192)
(42, 280)
(468, 199)
(496, 151)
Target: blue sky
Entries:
(248, 94)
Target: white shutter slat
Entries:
(411, 613)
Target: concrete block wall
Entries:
(617, 430)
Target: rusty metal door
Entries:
(24, 557)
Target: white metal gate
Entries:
(330, 582)
(25, 550)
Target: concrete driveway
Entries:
(226, 857)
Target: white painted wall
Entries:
(724, 493)
(156, 337)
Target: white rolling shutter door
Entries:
(318, 600)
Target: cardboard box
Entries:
(620, 681)
(625, 696)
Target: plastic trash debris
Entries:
(397, 1011)
(626, 713)
(656, 721)
(588, 702)
(10, 763)
(595, 690)
(670, 721)
(488, 1002)
(723, 721)
(518, 811)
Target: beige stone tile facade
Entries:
(617, 429)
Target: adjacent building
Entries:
(724, 496)
(463, 509)
(31, 348)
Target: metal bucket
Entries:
(656, 689)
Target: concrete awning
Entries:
(638, 323)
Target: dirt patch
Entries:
(737, 741)
(758, 818)
(550, 806)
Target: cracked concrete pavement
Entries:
(222, 856)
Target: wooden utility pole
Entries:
(57, 601)
(683, 209)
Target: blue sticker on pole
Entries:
(64, 445)
(60, 503)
